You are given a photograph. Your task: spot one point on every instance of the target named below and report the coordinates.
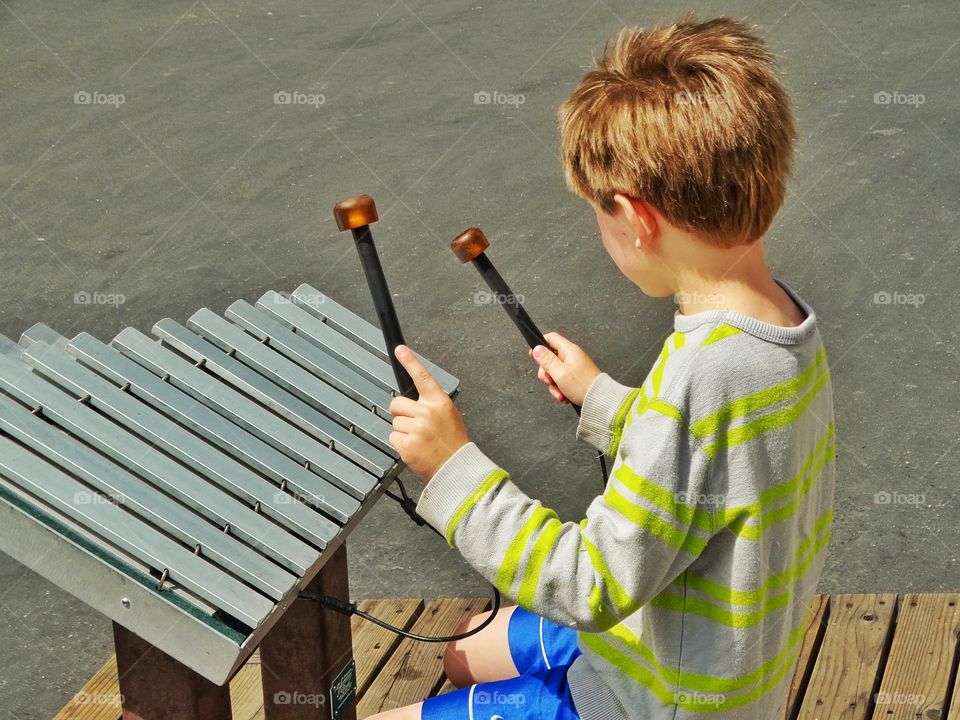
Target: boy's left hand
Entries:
(426, 432)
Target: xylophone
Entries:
(191, 485)
(198, 487)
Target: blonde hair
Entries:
(691, 118)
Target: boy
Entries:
(684, 592)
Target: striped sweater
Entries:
(690, 578)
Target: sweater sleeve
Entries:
(605, 406)
(641, 533)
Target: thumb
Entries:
(563, 346)
(546, 359)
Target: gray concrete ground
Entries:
(199, 189)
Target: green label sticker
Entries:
(343, 691)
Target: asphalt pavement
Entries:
(159, 158)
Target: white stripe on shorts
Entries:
(543, 650)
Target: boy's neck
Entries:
(736, 279)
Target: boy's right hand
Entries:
(568, 372)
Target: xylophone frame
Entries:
(303, 645)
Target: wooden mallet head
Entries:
(469, 245)
(355, 212)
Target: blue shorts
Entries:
(542, 652)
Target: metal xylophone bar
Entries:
(359, 330)
(190, 485)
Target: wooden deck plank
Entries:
(372, 644)
(246, 691)
(917, 679)
(812, 639)
(849, 662)
(415, 670)
(99, 699)
(446, 687)
(836, 677)
(370, 648)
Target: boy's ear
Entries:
(638, 216)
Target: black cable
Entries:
(603, 468)
(409, 506)
(350, 608)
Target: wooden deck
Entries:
(864, 657)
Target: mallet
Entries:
(471, 246)
(356, 214)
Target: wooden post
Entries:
(154, 686)
(306, 650)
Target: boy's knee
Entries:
(409, 712)
(455, 663)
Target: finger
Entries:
(425, 382)
(557, 341)
(549, 381)
(396, 440)
(544, 356)
(404, 424)
(401, 405)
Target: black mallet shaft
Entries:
(470, 246)
(356, 214)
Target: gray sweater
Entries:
(690, 578)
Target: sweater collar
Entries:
(765, 331)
